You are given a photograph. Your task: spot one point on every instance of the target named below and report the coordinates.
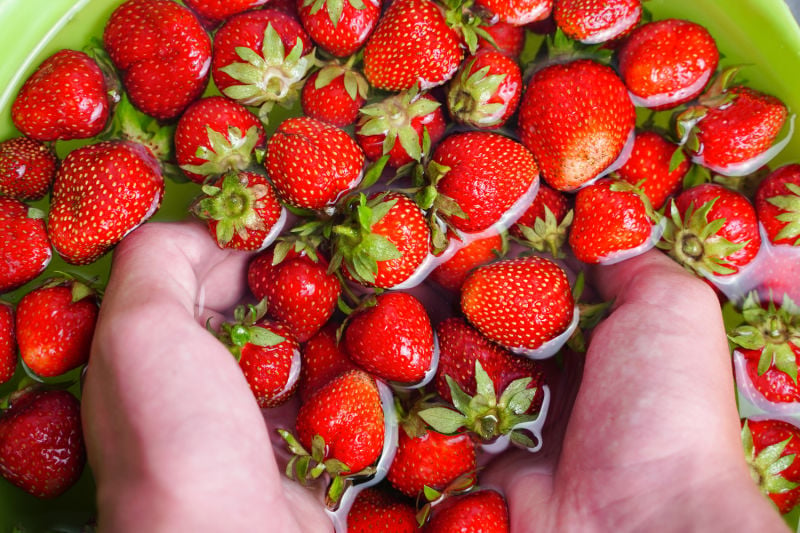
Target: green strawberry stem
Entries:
(234, 206)
(243, 329)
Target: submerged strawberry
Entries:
(597, 21)
(778, 205)
(24, 246)
(27, 168)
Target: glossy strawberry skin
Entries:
(24, 247)
(348, 34)
(484, 510)
(272, 371)
(452, 273)
(161, 85)
(649, 165)
(768, 432)
(774, 188)
(323, 359)
(776, 386)
(597, 21)
(8, 343)
(377, 510)
(510, 39)
(65, 98)
(517, 12)
(218, 10)
(556, 201)
(330, 103)
(27, 168)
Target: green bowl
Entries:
(761, 35)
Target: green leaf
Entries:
(443, 420)
(409, 140)
(461, 399)
(263, 337)
(484, 385)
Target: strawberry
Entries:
(711, 230)
(650, 167)
(452, 273)
(27, 168)
(334, 94)
(65, 98)
(55, 324)
(667, 62)
(508, 38)
(394, 62)
(544, 225)
(216, 11)
(405, 117)
(298, 289)
(771, 448)
(517, 12)
(482, 511)
(8, 343)
(778, 205)
(576, 119)
(101, 193)
(391, 338)
(24, 246)
(323, 359)
(216, 135)
(377, 510)
(312, 163)
(343, 26)
(486, 90)
(484, 174)
(518, 303)
(597, 21)
(41, 442)
(136, 35)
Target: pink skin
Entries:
(177, 446)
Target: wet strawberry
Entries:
(334, 94)
(650, 167)
(544, 225)
(452, 273)
(339, 27)
(323, 358)
(517, 12)
(771, 448)
(484, 510)
(376, 510)
(8, 342)
(216, 11)
(597, 21)
(508, 38)
(27, 168)
(24, 246)
(778, 205)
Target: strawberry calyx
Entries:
(469, 94)
(467, 21)
(229, 152)
(81, 287)
(767, 465)
(244, 330)
(439, 207)
(355, 84)
(548, 234)
(716, 95)
(462, 484)
(790, 205)
(333, 7)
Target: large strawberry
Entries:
(576, 119)
(339, 27)
(65, 98)
(8, 342)
(41, 442)
(216, 11)
(24, 246)
(312, 163)
(544, 225)
(55, 325)
(597, 21)
(27, 168)
(771, 448)
(323, 359)
(483, 510)
(136, 36)
(451, 273)
(334, 94)
(101, 193)
(778, 205)
(517, 12)
(377, 510)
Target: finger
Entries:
(613, 281)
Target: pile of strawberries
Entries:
(416, 233)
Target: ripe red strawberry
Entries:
(101, 193)
(517, 12)
(8, 343)
(216, 11)
(395, 62)
(24, 246)
(312, 163)
(508, 38)
(384, 241)
(160, 84)
(576, 119)
(711, 230)
(396, 124)
(323, 359)
(597, 21)
(65, 98)
(482, 511)
(452, 273)
(298, 289)
(216, 135)
(41, 442)
(544, 225)
(486, 90)
(391, 339)
(518, 303)
(778, 205)
(377, 510)
(55, 324)
(667, 62)
(650, 167)
(334, 94)
(771, 448)
(484, 173)
(27, 168)
(342, 26)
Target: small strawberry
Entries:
(771, 448)
(334, 94)
(41, 442)
(27, 168)
(160, 84)
(519, 303)
(508, 38)
(778, 205)
(452, 273)
(216, 135)
(216, 11)
(323, 359)
(377, 510)
(667, 62)
(597, 21)
(24, 246)
(311, 163)
(576, 119)
(544, 225)
(482, 510)
(65, 98)
(343, 26)
(101, 193)
(55, 325)
(517, 12)
(8, 343)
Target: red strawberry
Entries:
(711, 230)
(216, 135)
(452, 273)
(396, 124)
(519, 303)
(544, 225)
(650, 167)
(771, 448)
(342, 26)
(482, 511)
(508, 38)
(218, 10)
(778, 205)
(41, 442)
(597, 21)
(395, 62)
(517, 12)
(160, 84)
(576, 119)
(298, 289)
(391, 339)
(376, 510)
(27, 168)
(323, 359)
(89, 216)
(312, 163)
(334, 94)
(55, 324)
(667, 62)
(65, 98)
(486, 90)
(8, 343)
(24, 246)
